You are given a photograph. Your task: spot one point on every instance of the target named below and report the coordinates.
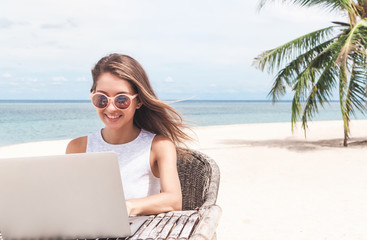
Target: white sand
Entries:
(275, 185)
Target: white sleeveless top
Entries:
(134, 159)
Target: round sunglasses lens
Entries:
(100, 101)
(122, 101)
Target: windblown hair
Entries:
(154, 115)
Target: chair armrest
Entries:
(205, 230)
(212, 193)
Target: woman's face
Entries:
(112, 117)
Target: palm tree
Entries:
(316, 64)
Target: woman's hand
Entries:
(128, 207)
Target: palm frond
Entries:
(320, 93)
(330, 5)
(331, 53)
(296, 109)
(277, 57)
(300, 88)
(286, 76)
(356, 93)
(343, 24)
(352, 41)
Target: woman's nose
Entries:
(111, 106)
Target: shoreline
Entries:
(275, 184)
(297, 134)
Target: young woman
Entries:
(141, 129)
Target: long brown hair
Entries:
(154, 115)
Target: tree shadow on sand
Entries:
(298, 145)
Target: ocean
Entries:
(29, 121)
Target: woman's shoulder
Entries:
(163, 145)
(77, 145)
(162, 140)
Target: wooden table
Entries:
(181, 225)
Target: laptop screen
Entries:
(64, 196)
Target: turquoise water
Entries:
(28, 121)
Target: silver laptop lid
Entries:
(65, 196)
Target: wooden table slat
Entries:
(141, 229)
(151, 226)
(158, 229)
(167, 229)
(175, 232)
(189, 226)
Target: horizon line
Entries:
(168, 100)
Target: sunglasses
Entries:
(121, 101)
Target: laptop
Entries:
(63, 196)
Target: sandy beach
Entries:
(275, 184)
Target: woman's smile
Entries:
(113, 118)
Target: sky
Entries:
(200, 50)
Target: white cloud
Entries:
(59, 80)
(6, 75)
(12, 83)
(169, 80)
(30, 80)
(24, 82)
(69, 23)
(82, 79)
(230, 90)
(6, 23)
(35, 90)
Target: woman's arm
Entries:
(163, 162)
(77, 145)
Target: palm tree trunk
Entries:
(346, 134)
(345, 144)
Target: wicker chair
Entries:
(199, 176)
